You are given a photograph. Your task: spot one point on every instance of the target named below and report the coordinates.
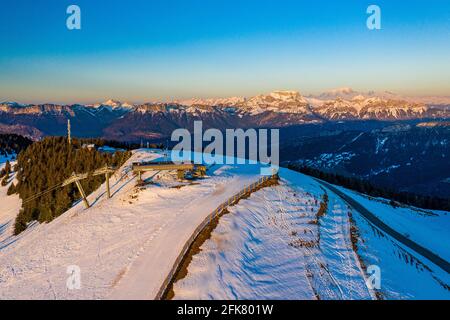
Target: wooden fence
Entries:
(231, 201)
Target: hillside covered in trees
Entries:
(13, 144)
(366, 187)
(48, 163)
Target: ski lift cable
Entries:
(40, 194)
(46, 191)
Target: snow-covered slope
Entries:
(275, 245)
(279, 243)
(125, 245)
(6, 157)
(10, 205)
(404, 273)
(417, 224)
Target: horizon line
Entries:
(180, 100)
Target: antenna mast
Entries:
(69, 137)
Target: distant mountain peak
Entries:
(12, 104)
(287, 95)
(291, 102)
(358, 97)
(114, 104)
(232, 101)
(343, 90)
(346, 93)
(283, 101)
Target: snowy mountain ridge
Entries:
(114, 105)
(124, 121)
(360, 107)
(332, 105)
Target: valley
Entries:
(406, 157)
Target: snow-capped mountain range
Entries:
(276, 109)
(360, 107)
(114, 105)
(334, 104)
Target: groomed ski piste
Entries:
(295, 240)
(9, 205)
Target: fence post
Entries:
(108, 192)
(83, 195)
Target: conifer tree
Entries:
(49, 162)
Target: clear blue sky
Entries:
(142, 50)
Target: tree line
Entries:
(99, 142)
(49, 162)
(5, 173)
(13, 144)
(10, 146)
(366, 187)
